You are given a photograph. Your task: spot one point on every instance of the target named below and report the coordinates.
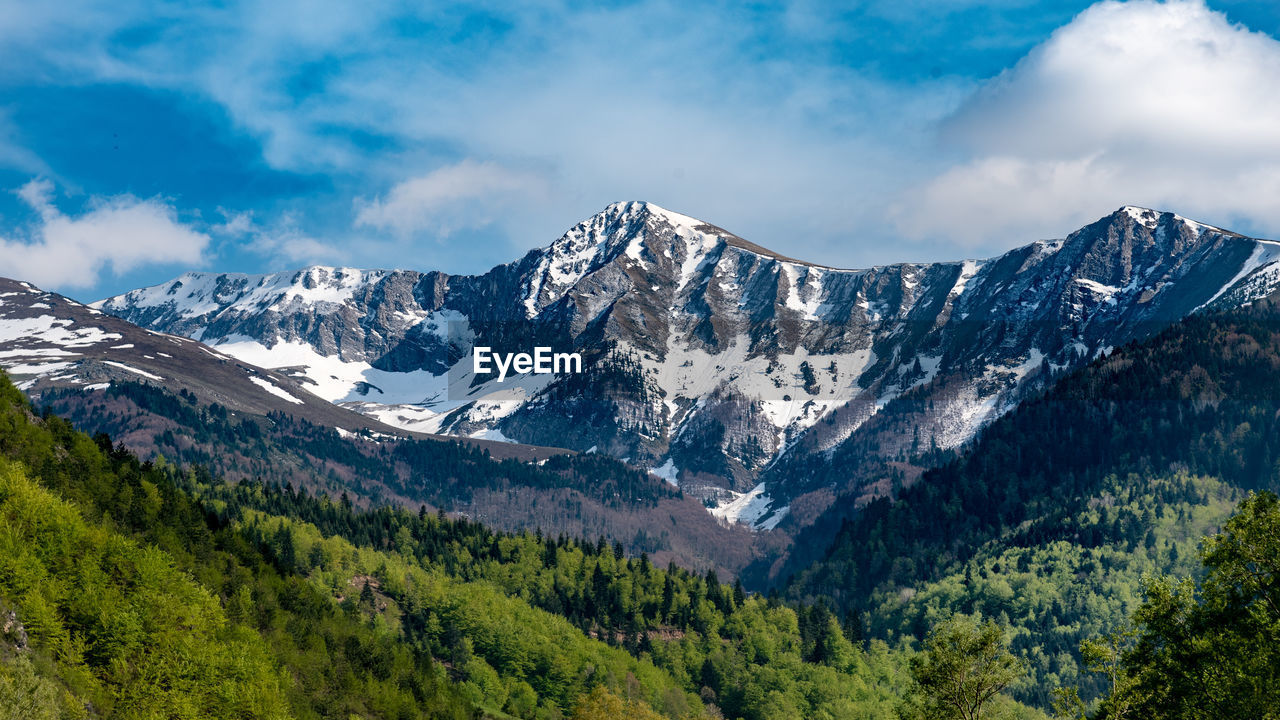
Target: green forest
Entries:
(272, 451)
(141, 590)
(1063, 518)
(1109, 550)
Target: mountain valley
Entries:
(1025, 440)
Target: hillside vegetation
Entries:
(1027, 573)
(149, 590)
(1052, 520)
(581, 495)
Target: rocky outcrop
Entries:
(12, 630)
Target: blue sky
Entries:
(139, 140)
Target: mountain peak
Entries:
(1143, 216)
(762, 360)
(1151, 219)
(628, 229)
(620, 229)
(194, 294)
(642, 208)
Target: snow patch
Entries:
(274, 390)
(668, 471)
(968, 269)
(1264, 253)
(692, 374)
(1143, 216)
(37, 352)
(745, 508)
(52, 330)
(131, 369)
(1106, 293)
(772, 521)
(416, 400)
(804, 289)
(406, 417)
(38, 369)
(492, 434)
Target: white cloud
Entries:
(288, 244)
(282, 242)
(121, 233)
(1166, 105)
(749, 119)
(468, 194)
(38, 195)
(235, 223)
(299, 248)
(653, 100)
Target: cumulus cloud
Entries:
(468, 194)
(1167, 105)
(121, 233)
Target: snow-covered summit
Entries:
(1151, 219)
(1147, 217)
(716, 360)
(194, 294)
(623, 229)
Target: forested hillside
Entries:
(143, 590)
(1202, 650)
(1051, 520)
(578, 494)
(151, 589)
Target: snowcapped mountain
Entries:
(739, 374)
(171, 396)
(50, 343)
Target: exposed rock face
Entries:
(714, 361)
(12, 630)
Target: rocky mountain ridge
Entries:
(171, 397)
(49, 342)
(733, 371)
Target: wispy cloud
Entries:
(741, 115)
(466, 195)
(13, 155)
(119, 233)
(281, 241)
